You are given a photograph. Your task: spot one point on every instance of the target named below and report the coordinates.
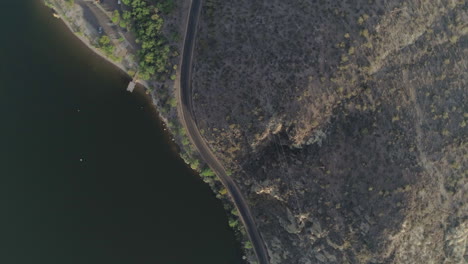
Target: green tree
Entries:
(194, 164)
(104, 44)
(248, 245)
(147, 23)
(123, 24)
(104, 40)
(116, 17)
(172, 102)
(207, 173)
(233, 223)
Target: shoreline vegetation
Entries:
(84, 39)
(143, 44)
(146, 21)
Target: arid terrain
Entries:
(343, 122)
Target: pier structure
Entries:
(131, 85)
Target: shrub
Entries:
(233, 223)
(194, 164)
(105, 45)
(207, 173)
(115, 17)
(248, 245)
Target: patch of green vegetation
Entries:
(123, 24)
(223, 191)
(235, 212)
(48, 4)
(105, 45)
(70, 2)
(194, 164)
(185, 141)
(165, 6)
(233, 223)
(146, 21)
(115, 58)
(248, 245)
(131, 73)
(207, 173)
(172, 102)
(115, 17)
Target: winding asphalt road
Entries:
(184, 96)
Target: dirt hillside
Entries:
(344, 122)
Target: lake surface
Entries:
(130, 200)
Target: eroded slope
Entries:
(344, 122)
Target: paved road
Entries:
(184, 95)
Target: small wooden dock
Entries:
(131, 86)
(133, 82)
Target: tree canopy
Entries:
(145, 20)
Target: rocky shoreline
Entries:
(83, 22)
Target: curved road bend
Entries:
(184, 96)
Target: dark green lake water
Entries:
(131, 200)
